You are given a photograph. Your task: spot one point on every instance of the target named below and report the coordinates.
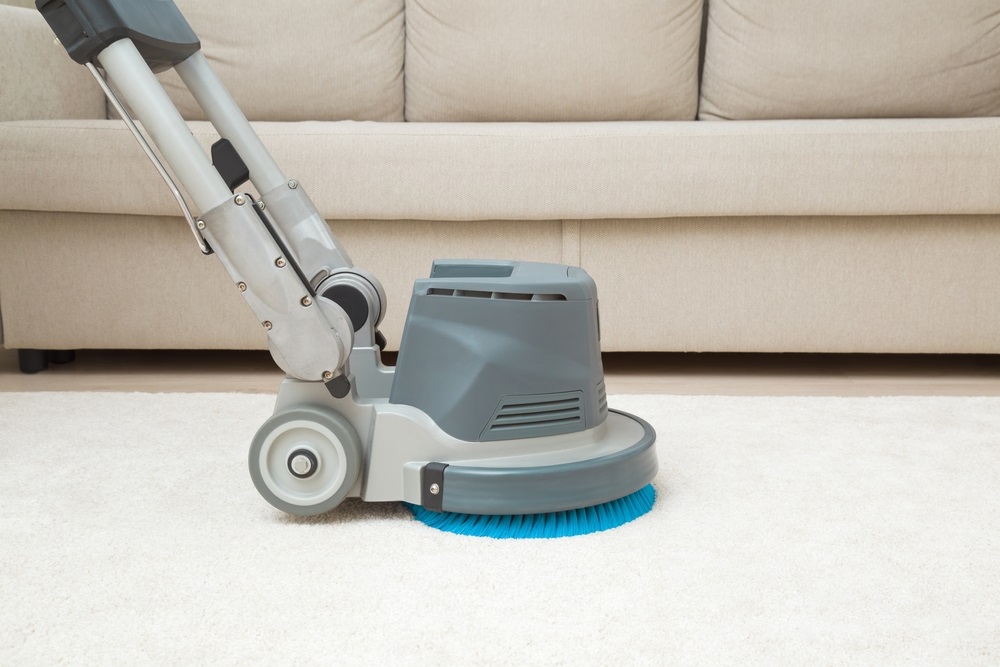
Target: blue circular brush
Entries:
(552, 524)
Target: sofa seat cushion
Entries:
(851, 59)
(545, 171)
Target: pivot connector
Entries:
(307, 340)
(361, 296)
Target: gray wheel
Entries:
(305, 461)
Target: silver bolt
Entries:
(280, 262)
(261, 205)
(242, 286)
(240, 200)
(201, 224)
(293, 184)
(306, 301)
(435, 489)
(267, 325)
(301, 464)
(327, 375)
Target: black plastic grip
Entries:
(87, 27)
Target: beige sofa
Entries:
(763, 175)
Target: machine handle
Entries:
(87, 27)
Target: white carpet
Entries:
(787, 530)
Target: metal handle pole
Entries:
(228, 119)
(160, 118)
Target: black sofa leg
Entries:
(62, 356)
(35, 361)
(32, 361)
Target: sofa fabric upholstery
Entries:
(732, 284)
(39, 81)
(895, 284)
(816, 219)
(851, 59)
(555, 60)
(545, 171)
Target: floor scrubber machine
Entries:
(496, 409)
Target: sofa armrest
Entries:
(38, 79)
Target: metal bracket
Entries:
(432, 486)
(309, 337)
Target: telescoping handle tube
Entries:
(160, 118)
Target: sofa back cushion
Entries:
(300, 59)
(851, 58)
(551, 60)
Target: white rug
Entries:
(787, 531)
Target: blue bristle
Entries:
(554, 524)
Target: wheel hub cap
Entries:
(302, 463)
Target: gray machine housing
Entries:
(499, 350)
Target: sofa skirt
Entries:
(910, 284)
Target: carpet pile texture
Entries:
(786, 530)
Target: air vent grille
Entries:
(496, 296)
(534, 416)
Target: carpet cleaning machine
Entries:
(494, 420)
